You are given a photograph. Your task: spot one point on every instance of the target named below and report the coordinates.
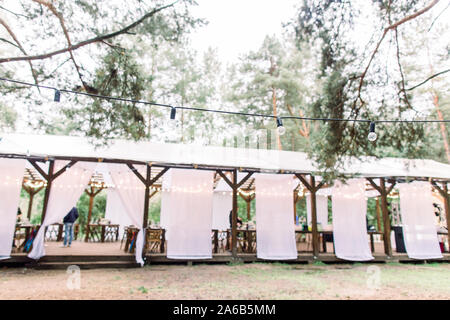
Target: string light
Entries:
(173, 113)
(279, 119)
(57, 97)
(280, 128)
(372, 135)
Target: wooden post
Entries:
(234, 216)
(383, 191)
(91, 205)
(446, 208)
(248, 201)
(51, 168)
(296, 198)
(147, 196)
(234, 185)
(313, 188)
(386, 221)
(315, 235)
(30, 205)
(378, 209)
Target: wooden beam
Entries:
(225, 178)
(159, 175)
(39, 169)
(391, 187)
(136, 172)
(374, 185)
(63, 169)
(305, 183)
(152, 194)
(239, 184)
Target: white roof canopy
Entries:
(210, 156)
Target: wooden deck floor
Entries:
(82, 252)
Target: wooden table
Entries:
(103, 232)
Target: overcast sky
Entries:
(238, 26)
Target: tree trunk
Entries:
(275, 113)
(441, 124)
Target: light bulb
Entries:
(281, 130)
(372, 136)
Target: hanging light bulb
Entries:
(372, 136)
(57, 97)
(281, 130)
(173, 112)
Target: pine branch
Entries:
(89, 41)
(428, 79)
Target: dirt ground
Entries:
(238, 281)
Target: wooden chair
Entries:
(124, 236)
(153, 240)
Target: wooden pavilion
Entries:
(234, 165)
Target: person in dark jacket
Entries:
(239, 220)
(69, 220)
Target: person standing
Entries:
(69, 220)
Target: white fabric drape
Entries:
(11, 173)
(349, 207)
(131, 192)
(222, 205)
(115, 210)
(419, 226)
(322, 209)
(64, 194)
(275, 234)
(190, 222)
(164, 215)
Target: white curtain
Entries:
(164, 215)
(322, 209)
(131, 192)
(64, 194)
(419, 226)
(275, 234)
(190, 224)
(11, 173)
(115, 210)
(222, 205)
(349, 207)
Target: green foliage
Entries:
(120, 76)
(327, 25)
(98, 209)
(154, 211)
(272, 81)
(8, 118)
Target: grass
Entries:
(257, 280)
